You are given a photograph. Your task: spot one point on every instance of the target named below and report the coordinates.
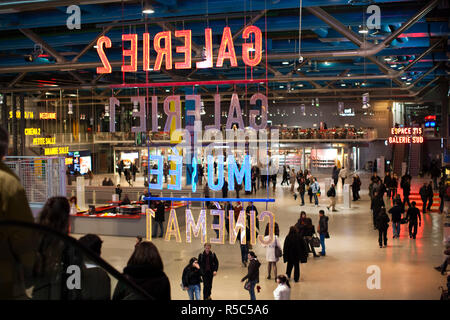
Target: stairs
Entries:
(399, 155)
(414, 159)
(414, 196)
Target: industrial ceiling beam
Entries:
(90, 45)
(251, 22)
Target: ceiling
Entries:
(338, 61)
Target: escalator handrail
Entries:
(90, 254)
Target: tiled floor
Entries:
(406, 265)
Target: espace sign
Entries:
(251, 51)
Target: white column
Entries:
(81, 200)
(346, 195)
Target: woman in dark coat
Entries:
(191, 279)
(145, 268)
(382, 223)
(252, 274)
(308, 232)
(294, 252)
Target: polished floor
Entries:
(406, 265)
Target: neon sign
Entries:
(406, 135)
(47, 115)
(44, 141)
(56, 151)
(162, 44)
(28, 115)
(32, 131)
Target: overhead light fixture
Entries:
(326, 63)
(167, 90)
(106, 110)
(363, 30)
(147, 8)
(393, 66)
(403, 78)
(348, 74)
(135, 107)
(281, 87)
(317, 102)
(408, 83)
(387, 59)
(251, 50)
(96, 46)
(365, 101)
(285, 62)
(300, 85)
(70, 108)
(343, 84)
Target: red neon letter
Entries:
(167, 50)
(186, 49)
(101, 53)
(247, 46)
(227, 41)
(208, 62)
(132, 53)
(146, 59)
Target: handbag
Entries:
(278, 252)
(327, 235)
(315, 242)
(247, 285)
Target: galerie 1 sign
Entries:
(251, 51)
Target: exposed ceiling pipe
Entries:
(366, 49)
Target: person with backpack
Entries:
(412, 215)
(209, 264)
(322, 230)
(331, 194)
(191, 279)
(382, 224)
(315, 190)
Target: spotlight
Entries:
(363, 30)
(147, 9)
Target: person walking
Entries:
(382, 224)
(356, 186)
(209, 265)
(134, 170)
(443, 267)
(343, 174)
(412, 215)
(430, 194)
(294, 251)
(254, 179)
(315, 190)
(301, 190)
(394, 185)
(244, 246)
(201, 173)
(441, 196)
(119, 191)
(16, 244)
(331, 194)
(90, 176)
(285, 176)
(335, 175)
(128, 177)
(387, 183)
(120, 168)
(159, 219)
(292, 179)
(224, 189)
(323, 231)
(435, 173)
(252, 275)
(146, 269)
(308, 232)
(424, 196)
(191, 279)
(406, 191)
(272, 252)
(396, 211)
(377, 205)
(283, 290)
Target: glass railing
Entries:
(39, 263)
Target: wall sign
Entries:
(162, 44)
(44, 141)
(32, 131)
(56, 151)
(406, 135)
(47, 115)
(28, 115)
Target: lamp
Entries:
(135, 107)
(147, 9)
(106, 110)
(365, 101)
(363, 30)
(70, 111)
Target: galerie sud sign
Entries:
(251, 56)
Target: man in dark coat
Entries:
(382, 224)
(435, 174)
(413, 214)
(224, 189)
(387, 183)
(335, 175)
(424, 196)
(159, 219)
(294, 251)
(430, 195)
(406, 191)
(209, 264)
(396, 211)
(377, 204)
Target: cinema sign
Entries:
(251, 51)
